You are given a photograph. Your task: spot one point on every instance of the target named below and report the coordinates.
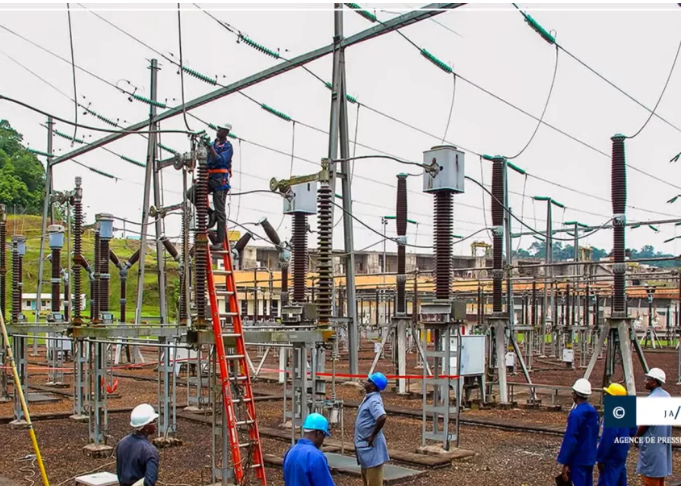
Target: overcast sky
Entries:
(491, 46)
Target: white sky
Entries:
(495, 49)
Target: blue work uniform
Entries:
(218, 167)
(306, 465)
(371, 408)
(136, 458)
(579, 447)
(612, 452)
(656, 450)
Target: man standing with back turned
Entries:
(137, 460)
(219, 164)
(578, 452)
(655, 451)
(370, 444)
(305, 464)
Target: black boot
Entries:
(211, 219)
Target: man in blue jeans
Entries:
(305, 464)
(219, 164)
(578, 452)
(370, 444)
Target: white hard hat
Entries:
(226, 126)
(583, 387)
(142, 415)
(656, 374)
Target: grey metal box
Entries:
(450, 176)
(304, 200)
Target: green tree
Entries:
(22, 176)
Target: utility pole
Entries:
(43, 232)
(148, 180)
(338, 132)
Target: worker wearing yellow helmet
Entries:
(613, 448)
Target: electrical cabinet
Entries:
(304, 199)
(449, 163)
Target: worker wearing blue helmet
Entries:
(304, 463)
(370, 444)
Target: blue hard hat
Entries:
(315, 421)
(379, 380)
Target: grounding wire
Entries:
(665, 87)
(544, 110)
(73, 72)
(182, 71)
(452, 105)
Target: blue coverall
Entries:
(306, 465)
(612, 452)
(136, 458)
(579, 447)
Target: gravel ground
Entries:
(503, 458)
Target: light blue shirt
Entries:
(371, 408)
(656, 450)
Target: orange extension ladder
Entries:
(237, 394)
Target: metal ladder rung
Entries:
(231, 334)
(241, 400)
(245, 444)
(245, 422)
(224, 293)
(237, 378)
(219, 252)
(222, 272)
(228, 314)
(235, 356)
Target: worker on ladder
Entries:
(614, 446)
(137, 460)
(578, 452)
(219, 164)
(304, 463)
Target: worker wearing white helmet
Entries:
(655, 461)
(137, 460)
(578, 452)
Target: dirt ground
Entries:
(502, 457)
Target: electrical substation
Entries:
(252, 334)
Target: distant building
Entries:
(28, 302)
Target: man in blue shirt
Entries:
(370, 444)
(613, 449)
(137, 460)
(304, 463)
(219, 164)
(655, 461)
(578, 452)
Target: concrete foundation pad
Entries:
(97, 451)
(506, 406)
(166, 442)
(193, 409)
(18, 424)
(79, 418)
(41, 398)
(392, 474)
(529, 406)
(551, 408)
(454, 454)
(57, 385)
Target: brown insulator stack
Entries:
(299, 255)
(442, 238)
(618, 200)
(3, 260)
(77, 252)
(324, 262)
(497, 207)
(201, 244)
(95, 298)
(184, 282)
(401, 227)
(16, 280)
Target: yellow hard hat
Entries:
(616, 389)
